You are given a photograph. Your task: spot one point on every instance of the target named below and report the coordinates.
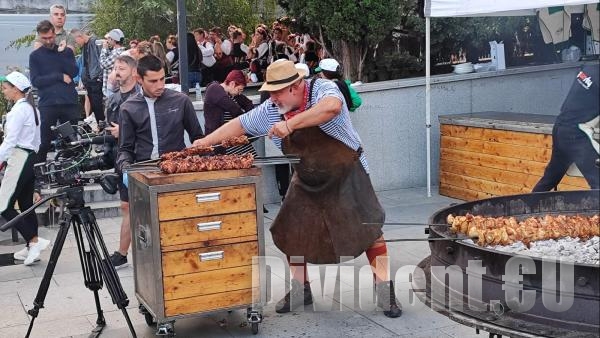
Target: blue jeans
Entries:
(193, 78)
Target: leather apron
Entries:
(329, 198)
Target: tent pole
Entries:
(428, 100)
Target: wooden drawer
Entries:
(210, 282)
(206, 202)
(217, 301)
(207, 259)
(209, 228)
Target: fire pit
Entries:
(487, 299)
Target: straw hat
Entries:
(281, 74)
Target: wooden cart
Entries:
(195, 237)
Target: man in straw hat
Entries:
(327, 213)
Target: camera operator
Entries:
(153, 122)
(124, 70)
(17, 155)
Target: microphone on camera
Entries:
(95, 140)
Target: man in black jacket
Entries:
(52, 69)
(153, 122)
(91, 74)
(570, 143)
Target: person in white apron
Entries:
(17, 156)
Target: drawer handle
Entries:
(211, 256)
(208, 226)
(209, 197)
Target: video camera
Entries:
(75, 154)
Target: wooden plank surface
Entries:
(479, 162)
(521, 180)
(190, 230)
(156, 177)
(210, 282)
(501, 136)
(530, 153)
(210, 242)
(184, 204)
(189, 261)
(206, 303)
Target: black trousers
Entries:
(569, 145)
(94, 93)
(49, 115)
(23, 193)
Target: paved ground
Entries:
(70, 312)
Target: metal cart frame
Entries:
(145, 232)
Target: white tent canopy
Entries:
(453, 8)
(450, 8)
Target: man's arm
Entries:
(229, 129)
(190, 121)
(71, 68)
(323, 111)
(39, 79)
(127, 137)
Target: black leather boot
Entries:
(386, 299)
(298, 295)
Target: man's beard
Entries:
(283, 109)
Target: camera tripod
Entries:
(95, 261)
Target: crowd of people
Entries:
(305, 110)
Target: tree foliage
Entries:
(348, 29)
(143, 18)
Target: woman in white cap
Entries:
(330, 69)
(17, 155)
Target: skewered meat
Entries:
(227, 143)
(175, 155)
(206, 163)
(507, 230)
(235, 141)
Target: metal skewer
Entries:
(409, 223)
(152, 161)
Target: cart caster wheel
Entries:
(254, 328)
(149, 319)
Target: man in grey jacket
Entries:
(153, 122)
(91, 74)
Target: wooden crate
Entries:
(195, 236)
(478, 162)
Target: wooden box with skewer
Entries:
(195, 237)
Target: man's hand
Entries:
(114, 129)
(67, 79)
(201, 142)
(280, 129)
(36, 197)
(62, 45)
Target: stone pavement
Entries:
(69, 309)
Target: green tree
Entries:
(349, 29)
(159, 17)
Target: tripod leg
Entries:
(91, 272)
(59, 242)
(102, 258)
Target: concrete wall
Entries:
(82, 6)
(391, 121)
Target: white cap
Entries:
(303, 67)
(116, 34)
(330, 65)
(18, 80)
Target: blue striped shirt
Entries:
(259, 120)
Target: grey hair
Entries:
(58, 6)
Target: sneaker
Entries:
(35, 249)
(386, 299)
(297, 296)
(118, 260)
(21, 254)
